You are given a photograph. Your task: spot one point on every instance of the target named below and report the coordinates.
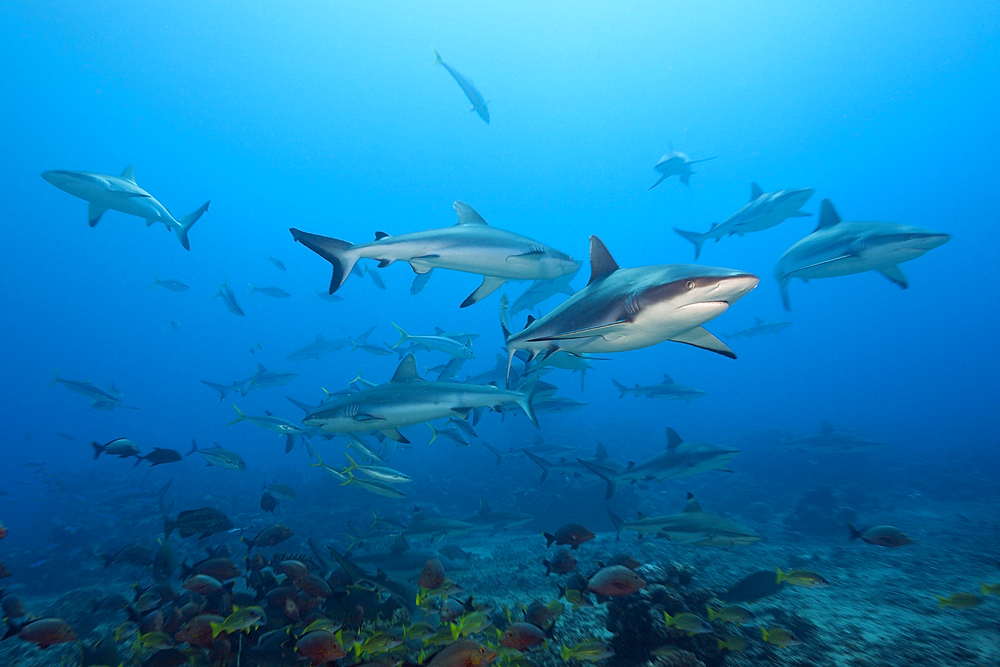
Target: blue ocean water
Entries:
(331, 118)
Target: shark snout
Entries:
(733, 288)
(931, 241)
(57, 178)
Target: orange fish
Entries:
(571, 534)
(522, 636)
(45, 632)
(202, 584)
(463, 653)
(432, 576)
(615, 581)
(320, 647)
(198, 631)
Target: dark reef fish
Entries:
(883, 536)
(45, 632)
(159, 456)
(123, 448)
(572, 534)
(202, 522)
(758, 585)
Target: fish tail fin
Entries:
(13, 628)
(712, 615)
(434, 433)
(194, 448)
(942, 602)
(855, 533)
(694, 237)
(216, 629)
(55, 378)
(524, 400)
(764, 634)
(97, 449)
(253, 290)
(542, 463)
(238, 419)
(354, 465)
(549, 539)
(335, 251)
(618, 522)
(185, 224)
(781, 576)
(668, 619)
(984, 588)
(622, 389)
(437, 57)
(403, 336)
(156, 281)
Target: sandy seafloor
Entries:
(880, 609)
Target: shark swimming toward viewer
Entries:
(628, 309)
(121, 193)
(471, 246)
(840, 248)
(675, 163)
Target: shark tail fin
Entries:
(622, 389)
(335, 251)
(618, 521)
(185, 224)
(694, 237)
(437, 57)
(525, 398)
(604, 473)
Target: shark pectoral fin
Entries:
(490, 284)
(94, 213)
(394, 434)
(525, 257)
(895, 274)
(382, 263)
(420, 265)
(364, 417)
(609, 332)
(699, 337)
(660, 180)
(420, 281)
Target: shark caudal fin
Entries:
(335, 251)
(622, 389)
(694, 237)
(542, 463)
(524, 399)
(618, 522)
(185, 224)
(604, 473)
(437, 57)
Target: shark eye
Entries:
(689, 284)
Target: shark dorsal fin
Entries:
(641, 515)
(828, 216)
(438, 331)
(758, 320)
(692, 504)
(319, 337)
(399, 545)
(129, 173)
(406, 371)
(260, 368)
(602, 264)
(825, 427)
(600, 452)
(631, 464)
(484, 507)
(667, 380)
(755, 191)
(467, 215)
(673, 439)
(380, 235)
(530, 321)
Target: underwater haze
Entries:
(864, 403)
